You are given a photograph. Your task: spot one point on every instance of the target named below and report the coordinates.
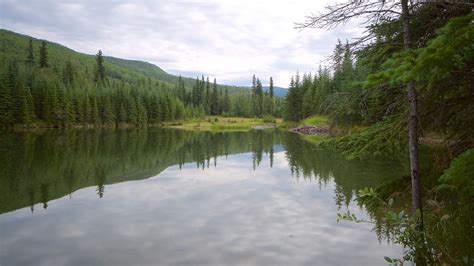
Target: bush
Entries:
(387, 138)
(269, 119)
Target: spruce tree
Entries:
(30, 58)
(181, 89)
(226, 104)
(214, 99)
(6, 96)
(259, 94)
(68, 74)
(271, 87)
(25, 111)
(207, 97)
(43, 60)
(254, 96)
(100, 68)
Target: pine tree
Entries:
(23, 101)
(214, 99)
(68, 107)
(100, 68)
(51, 104)
(68, 74)
(122, 114)
(271, 87)
(255, 101)
(254, 83)
(164, 109)
(293, 101)
(30, 58)
(207, 97)
(181, 89)
(197, 93)
(43, 60)
(86, 109)
(226, 104)
(6, 96)
(259, 94)
(171, 108)
(141, 113)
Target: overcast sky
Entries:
(229, 40)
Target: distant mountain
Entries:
(278, 91)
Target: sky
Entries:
(226, 40)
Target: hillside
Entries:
(45, 84)
(278, 91)
(13, 46)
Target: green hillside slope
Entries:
(47, 84)
(14, 46)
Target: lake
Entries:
(173, 197)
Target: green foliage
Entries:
(372, 93)
(442, 71)
(387, 138)
(57, 163)
(100, 68)
(316, 120)
(451, 50)
(452, 220)
(43, 60)
(268, 119)
(84, 90)
(459, 177)
(418, 245)
(270, 89)
(30, 59)
(263, 103)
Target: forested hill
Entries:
(47, 84)
(13, 46)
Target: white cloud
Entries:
(229, 40)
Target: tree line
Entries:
(35, 92)
(213, 101)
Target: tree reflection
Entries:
(100, 178)
(81, 158)
(72, 159)
(325, 166)
(44, 188)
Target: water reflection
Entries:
(213, 199)
(31, 162)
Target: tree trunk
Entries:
(412, 121)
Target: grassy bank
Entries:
(314, 121)
(218, 124)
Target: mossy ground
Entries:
(315, 120)
(219, 124)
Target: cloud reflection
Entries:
(229, 214)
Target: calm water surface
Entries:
(169, 197)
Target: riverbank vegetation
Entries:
(392, 89)
(215, 123)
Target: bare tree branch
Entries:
(337, 14)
